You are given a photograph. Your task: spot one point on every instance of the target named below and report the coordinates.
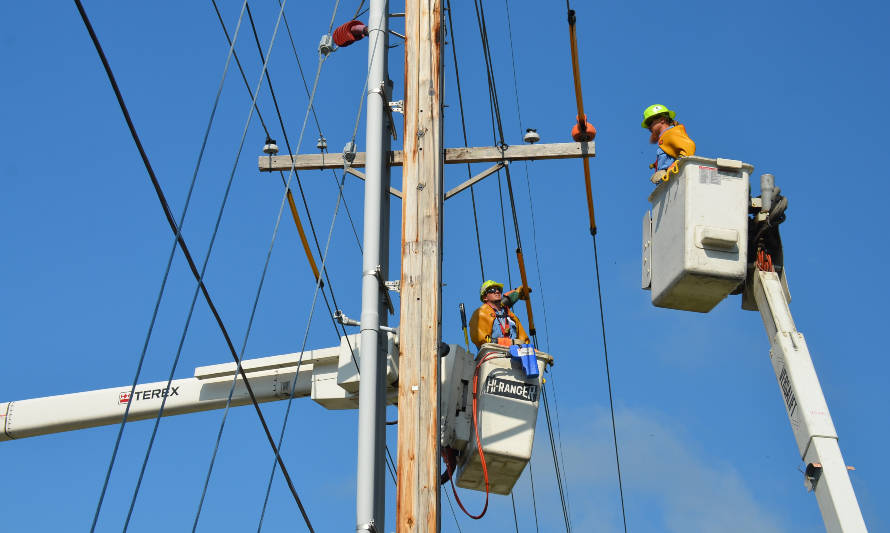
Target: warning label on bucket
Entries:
(511, 389)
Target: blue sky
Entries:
(794, 89)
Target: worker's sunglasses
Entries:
(493, 289)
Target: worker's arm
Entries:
(511, 297)
(480, 327)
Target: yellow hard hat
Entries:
(654, 110)
(487, 285)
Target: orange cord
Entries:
(449, 457)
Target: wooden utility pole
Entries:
(420, 328)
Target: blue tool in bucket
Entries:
(525, 353)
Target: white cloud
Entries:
(670, 482)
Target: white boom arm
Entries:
(826, 472)
(329, 375)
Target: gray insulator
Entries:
(767, 192)
(322, 144)
(531, 136)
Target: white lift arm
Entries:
(328, 375)
(826, 472)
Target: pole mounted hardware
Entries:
(384, 290)
(326, 45)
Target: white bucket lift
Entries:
(506, 411)
(696, 244)
(695, 237)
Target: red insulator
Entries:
(587, 134)
(348, 33)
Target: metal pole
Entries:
(370, 481)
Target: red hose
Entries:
(449, 458)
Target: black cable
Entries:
(330, 286)
(463, 125)
(170, 220)
(531, 477)
(559, 482)
(300, 188)
(480, 19)
(453, 514)
(515, 518)
(599, 294)
(240, 68)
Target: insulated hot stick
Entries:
(524, 292)
(583, 131)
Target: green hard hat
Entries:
(654, 110)
(487, 285)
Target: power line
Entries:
(300, 361)
(463, 125)
(480, 19)
(178, 237)
(194, 300)
(599, 294)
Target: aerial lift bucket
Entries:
(506, 412)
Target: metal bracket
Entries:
(398, 106)
(348, 154)
(366, 528)
(326, 45)
(346, 321)
(378, 273)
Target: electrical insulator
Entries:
(270, 147)
(531, 136)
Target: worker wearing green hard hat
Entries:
(671, 140)
(494, 321)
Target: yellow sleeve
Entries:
(480, 327)
(676, 143)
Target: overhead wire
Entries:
(541, 290)
(296, 175)
(178, 239)
(290, 398)
(339, 184)
(480, 18)
(194, 300)
(340, 192)
(582, 122)
(463, 125)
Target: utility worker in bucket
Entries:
(671, 140)
(494, 321)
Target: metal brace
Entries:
(388, 108)
(346, 321)
(378, 273)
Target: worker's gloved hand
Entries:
(658, 177)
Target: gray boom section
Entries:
(270, 377)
